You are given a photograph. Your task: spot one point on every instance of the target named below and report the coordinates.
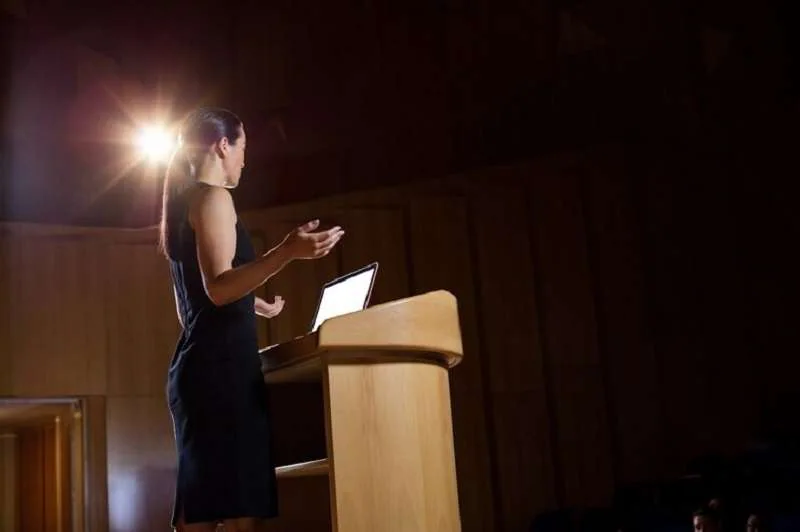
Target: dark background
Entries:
(698, 100)
(372, 93)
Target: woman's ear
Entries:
(223, 147)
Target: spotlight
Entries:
(155, 143)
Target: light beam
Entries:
(155, 143)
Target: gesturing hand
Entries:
(304, 243)
(269, 310)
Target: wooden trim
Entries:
(74, 506)
(315, 468)
(59, 474)
(95, 463)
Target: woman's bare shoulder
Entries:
(208, 201)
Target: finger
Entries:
(322, 240)
(334, 235)
(328, 242)
(322, 235)
(308, 226)
(326, 249)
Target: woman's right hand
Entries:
(304, 243)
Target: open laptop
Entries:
(345, 294)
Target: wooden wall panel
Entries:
(576, 332)
(64, 473)
(625, 342)
(96, 460)
(58, 317)
(51, 517)
(78, 471)
(261, 245)
(377, 235)
(43, 484)
(141, 319)
(514, 366)
(31, 485)
(6, 369)
(299, 431)
(669, 267)
(303, 504)
(24, 261)
(141, 464)
(719, 306)
(441, 253)
(766, 226)
(575, 370)
(299, 284)
(9, 473)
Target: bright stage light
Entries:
(155, 143)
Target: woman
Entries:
(215, 388)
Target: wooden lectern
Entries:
(384, 372)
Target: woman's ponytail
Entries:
(199, 131)
(179, 176)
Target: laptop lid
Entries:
(345, 294)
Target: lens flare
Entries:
(155, 143)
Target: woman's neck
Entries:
(212, 174)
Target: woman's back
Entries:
(196, 310)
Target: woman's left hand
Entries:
(269, 310)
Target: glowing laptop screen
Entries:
(346, 294)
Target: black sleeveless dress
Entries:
(217, 398)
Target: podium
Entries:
(388, 425)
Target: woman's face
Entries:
(754, 524)
(233, 160)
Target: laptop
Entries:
(345, 294)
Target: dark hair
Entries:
(707, 511)
(765, 520)
(199, 130)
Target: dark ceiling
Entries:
(366, 92)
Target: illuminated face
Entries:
(233, 159)
(754, 524)
(705, 524)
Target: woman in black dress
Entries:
(216, 392)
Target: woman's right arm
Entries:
(213, 218)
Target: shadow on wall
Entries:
(141, 500)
